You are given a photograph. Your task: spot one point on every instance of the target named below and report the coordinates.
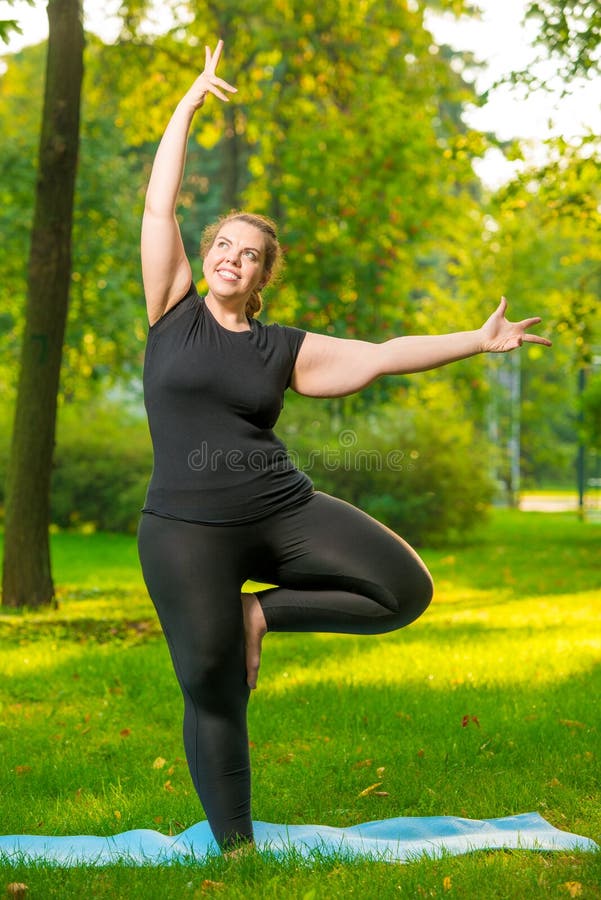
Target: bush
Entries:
(419, 468)
(102, 465)
(591, 410)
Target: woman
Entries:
(225, 503)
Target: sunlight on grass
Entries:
(516, 642)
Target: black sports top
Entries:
(213, 397)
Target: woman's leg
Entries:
(193, 575)
(339, 570)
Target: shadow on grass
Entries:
(79, 630)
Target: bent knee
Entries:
(413, 595)
(425, 592)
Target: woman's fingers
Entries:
(216, 55)
(214, 84)
(213, 89)
(535, 339)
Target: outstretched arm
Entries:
(165, 268)
(335, 367)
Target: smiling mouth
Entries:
(227, 275)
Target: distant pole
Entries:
(581, 455)
(515, 434)
(493, 421)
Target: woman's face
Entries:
(234, 265)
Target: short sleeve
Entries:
(292, 338)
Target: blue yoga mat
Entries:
(391, 840)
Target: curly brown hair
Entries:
(274, 257)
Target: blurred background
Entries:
(421, 159)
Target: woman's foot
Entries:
(255, 628)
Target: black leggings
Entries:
(338, 570)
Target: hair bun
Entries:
(254, 304)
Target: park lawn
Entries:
(487, 706)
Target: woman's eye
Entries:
(251, 255)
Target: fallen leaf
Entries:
(446, 883)
(381, 794)
(117, 814)
(16, 889)
(370, 789)
(572, 723)
(574, 888)
(169, 787)
(555, 782)
(125, 732)
(362, 764)
(209, 885)
(380, 771)
(467, 719)
(22, 770)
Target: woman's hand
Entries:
(208, 82)
(499, 335)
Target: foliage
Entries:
(591, 408)
(102, 465)
(371, 214)
(541, 249)
(354, 145)
(10, 26)
(347, 128)
(106, 325)
(570, 32)
(416, 463)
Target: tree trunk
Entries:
(27, 576)
(230, 163)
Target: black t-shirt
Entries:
(213, 397)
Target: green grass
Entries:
(90, 724)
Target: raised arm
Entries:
(166, 270)
(335, 367)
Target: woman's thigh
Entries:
(328, 542)
(193, 574)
